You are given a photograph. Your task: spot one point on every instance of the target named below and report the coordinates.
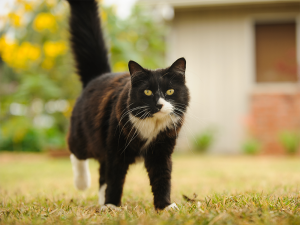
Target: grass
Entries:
(35, 189)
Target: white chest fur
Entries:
(149, 128)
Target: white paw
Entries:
(102, 194)
(110, 207)
(173, 206)
(82, 177)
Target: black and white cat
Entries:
(122, 116)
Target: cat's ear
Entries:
(134, 67)
(179, 66)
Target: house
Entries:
(242, 58)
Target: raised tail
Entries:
(87, 40)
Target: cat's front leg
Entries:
(158, 163)
(116, 170)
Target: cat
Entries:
(122, 116)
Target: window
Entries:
(276, 59)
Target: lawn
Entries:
(36, 189)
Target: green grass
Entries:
(36, 189)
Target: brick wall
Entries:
(272, 114)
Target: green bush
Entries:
(19, 134)
(33, 140)
(204, 140)
(251, 146)
(29, 142)
(290, 141)
(54, 138)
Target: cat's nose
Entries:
(159, 106)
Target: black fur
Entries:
(101, 127)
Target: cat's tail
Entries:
(87, 40)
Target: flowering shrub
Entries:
(38, 86)
(45, 21)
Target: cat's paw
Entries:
(109, 207)
(173, 206)
(82, 182)
(82, 177)
(102, 194)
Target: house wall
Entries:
(271, 115)
(218, 44)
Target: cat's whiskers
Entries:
(181, 121)
(182, 107)
(127, 122)
(187, 114)
(131, 110)
(126, 108)
(139, 124)
(187, 128)
(126, 113)
(133, 125)
(144, 125)
(136, 131)
(178, 103)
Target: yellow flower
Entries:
(18, 56)
(47, 63)
(15, 19)
(20, 60)
(27, 7)
(44, 21)
(34, 53)
(7, 52)
(53, 49)
(29, 51)
(103, 16)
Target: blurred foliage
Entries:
(204, 140)
(251, 146)
(38, 86)
(290, 141)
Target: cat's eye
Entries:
(170, 91)
(148, 92)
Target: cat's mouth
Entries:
(161, 114)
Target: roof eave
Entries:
(208, 3)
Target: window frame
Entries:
(269, 19)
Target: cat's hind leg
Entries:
(102, 184)
(82, 177)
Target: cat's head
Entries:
(158, 93)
